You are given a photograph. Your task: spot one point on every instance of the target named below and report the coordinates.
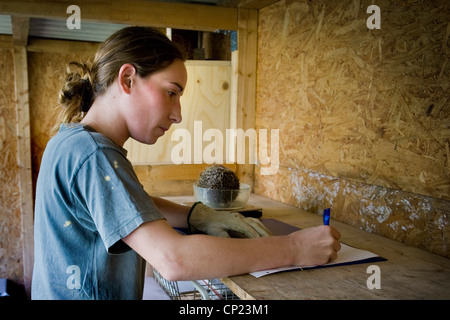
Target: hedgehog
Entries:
(220, 178)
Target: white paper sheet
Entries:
(347, 255)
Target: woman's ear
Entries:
(127, 74)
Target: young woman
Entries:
(95, 224)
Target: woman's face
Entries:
(155, 103)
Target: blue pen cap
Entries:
(326, 216)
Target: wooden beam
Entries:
(246, 81)
(20, 28)
(247, 4)
(6, 41)
(51, 45)
(61, 46)
(255, 4)
(24, 161)
(131, 12)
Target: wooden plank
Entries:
(6, 41)
(255, 4)
(24, 160)
(20, 28)
(61, 46)
(234, 89)
(246, 81)
(135, 12)
(174, 172)
(247, 4)
(171, 180)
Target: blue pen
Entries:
(326, 217)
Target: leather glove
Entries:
(217, 223)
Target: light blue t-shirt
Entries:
(88, 198)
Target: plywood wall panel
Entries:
(45, 71)
(358, 102)
(11, 261)
(363, 114)
(171, 180)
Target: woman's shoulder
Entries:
(77, 143)
(76, 134)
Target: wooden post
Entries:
(20, 36)
(246, 81)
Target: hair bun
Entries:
(86, 95)
(76, 94)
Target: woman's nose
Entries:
(175, 116)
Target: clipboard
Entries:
(346, 256)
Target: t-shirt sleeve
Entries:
(111, 199)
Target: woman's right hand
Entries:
(316, 245)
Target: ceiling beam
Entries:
(255, 4)
(247, 4)
(131, 12)
(20, 27)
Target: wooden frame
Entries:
(246, 80)
(20, 34)
(135, 12)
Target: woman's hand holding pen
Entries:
(316, 245)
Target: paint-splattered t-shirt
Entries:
(88, 198)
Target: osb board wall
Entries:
(11, 265)
(363, 114)
(44, 77)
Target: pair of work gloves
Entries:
(204, 219)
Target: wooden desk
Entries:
(408, 273)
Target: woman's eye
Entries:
(171, 93)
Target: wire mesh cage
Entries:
(210, 289)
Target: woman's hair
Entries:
(147, 49)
